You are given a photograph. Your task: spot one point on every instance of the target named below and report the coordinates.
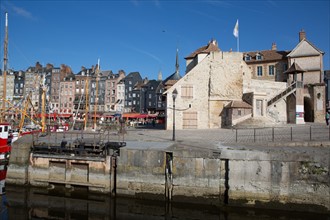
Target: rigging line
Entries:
(20, 52)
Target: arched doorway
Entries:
(308, 109)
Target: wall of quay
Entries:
(295, 177)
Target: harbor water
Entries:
(59, 203)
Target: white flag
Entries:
(235, 32)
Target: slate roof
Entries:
(139, 85)
(210, 47)
(89, 70)
(70, 77)
(174, 77)
(171, 80)
(133, 74)
(267, 55)
(294, 68)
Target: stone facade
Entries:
(215, 78)
(205, 90)
(216, 81)
(310, 59)
(269, 89)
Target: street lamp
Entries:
(174, 95)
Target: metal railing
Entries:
(285, 133)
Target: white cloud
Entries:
(145, 53)
(22, 12)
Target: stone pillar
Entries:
(300, 106)
(19, 161)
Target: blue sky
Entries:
(143, 36)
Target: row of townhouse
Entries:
(107, 93)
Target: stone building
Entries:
(222, 89)
(306, 68)
(213, 79)
(19, 85)
(310, 60)
(55, 90)
(327, 82)
(67, 88)
(120, 103)
(81, 88)
(267, 64)
(112, 93)
(97, 92)
(151, 96)
(10, 85)
(9, 99)
(130, 81)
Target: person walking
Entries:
(327, 116)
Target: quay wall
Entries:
(271, 177)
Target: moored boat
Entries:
(5, 149)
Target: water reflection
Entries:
(61, 203)
(3, 207)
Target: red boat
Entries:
(5, 149)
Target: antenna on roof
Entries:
(177, 61)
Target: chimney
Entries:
(302, 35)
(145, 81)
(38, 66)
(274, 47)
(49, 66)
(160, 76)
(214, 42)
(122, 73)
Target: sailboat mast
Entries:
(96, 91)
(87, 105)
(5, 60)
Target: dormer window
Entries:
(258, 56)
(247, 57)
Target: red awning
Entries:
(130, 115)
(55, 115)
(142, 116)
(134, 115)
(64, 115)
